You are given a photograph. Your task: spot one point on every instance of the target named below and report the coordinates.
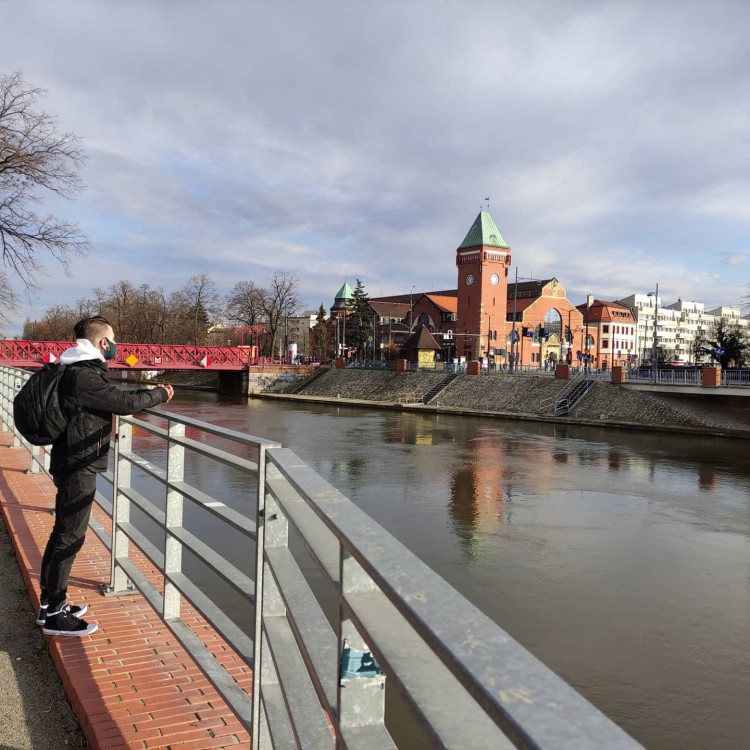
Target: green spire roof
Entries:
(345, 292)
(483, 232)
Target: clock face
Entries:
(470, 278)
(494, 279)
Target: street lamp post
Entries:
(586, 349)
(654, 355)
(514, 337)
(411, 309)
(513, 342)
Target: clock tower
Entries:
(483, 259)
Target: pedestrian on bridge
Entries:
(89, 400)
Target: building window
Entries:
(605, 329)
(605, 343)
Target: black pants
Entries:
(75, 496)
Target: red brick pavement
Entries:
(131, 684)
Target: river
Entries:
(620, 559)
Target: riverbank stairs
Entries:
(438, 388)
(299, 387)
(570, 397)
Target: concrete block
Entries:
(618, 374)
(473, 367)
(562, 372)
(401, 365)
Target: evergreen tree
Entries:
(361, 318)
(320, 334)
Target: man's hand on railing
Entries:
(170, 392)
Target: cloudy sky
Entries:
(345, 140)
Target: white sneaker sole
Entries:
(92, 628)
(81, 612)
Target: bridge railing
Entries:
(338, 615)
(735, 377)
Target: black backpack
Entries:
(36, 408)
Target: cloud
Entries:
(359, 140)
(733, 259)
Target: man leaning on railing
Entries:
(77, 456)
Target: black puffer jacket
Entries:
(90, 399)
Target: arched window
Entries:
(553, 323)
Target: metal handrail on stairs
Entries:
(569, 398)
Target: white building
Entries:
(299, 336)
(678, 326)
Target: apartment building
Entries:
(611, 330)
(679, 327)
(299, 333)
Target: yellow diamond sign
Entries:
(132, 360)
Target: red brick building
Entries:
(482, 259)
(612, 328)
(548, 326)
(476, 320)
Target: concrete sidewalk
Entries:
(34, 712)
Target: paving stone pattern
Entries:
(130, 684)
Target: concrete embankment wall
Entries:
(521, 396)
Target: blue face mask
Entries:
(110, 353)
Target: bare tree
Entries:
(280, 300)
(201, 298)
(34, 158)
(245, 304)
(57, 324)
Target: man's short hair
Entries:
(93, 328)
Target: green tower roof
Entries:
(345, 292)
(483, 232)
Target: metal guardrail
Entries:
(688, 376)
(666, 377)
(324, 656)
(735, 377)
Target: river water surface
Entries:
(620, 559)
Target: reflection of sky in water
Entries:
(620, 558)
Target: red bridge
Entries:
(140, 356)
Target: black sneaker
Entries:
(65, 623)
(74, 609)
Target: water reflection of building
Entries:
(707, 476)
(477, 486)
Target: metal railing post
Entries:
(4, 375)
(360, 696)
(118, 581)
(260, 531)
(35, 459)
(272, 604)
(173, 518)
(14, 385)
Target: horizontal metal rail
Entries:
(392, 610)
(343, 613)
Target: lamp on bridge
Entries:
(654, 349)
